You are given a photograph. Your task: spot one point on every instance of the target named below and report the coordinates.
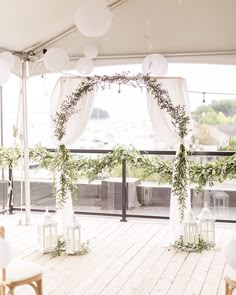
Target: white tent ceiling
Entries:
(182, 30)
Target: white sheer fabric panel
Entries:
(78, 121)
(166, 132)
(74, 128)
(161, 120)
(64, 214)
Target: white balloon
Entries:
(5, 253)
(90, 51)
(55, 59)
(84, 66)
(9, 58)
(93, 18)
(155, 64)
(4, 72)
(230, 256)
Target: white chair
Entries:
(20, 272)
(230, 286)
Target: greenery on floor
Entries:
(181, 245)
(60, 248)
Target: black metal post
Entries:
(10, 191)
(124, 192)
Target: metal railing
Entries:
(124, 215)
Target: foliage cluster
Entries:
(61, 248)
(221, 112)
(181, 245)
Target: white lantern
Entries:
(55, 59)
(207, 225)
(73, 237)
(84, 65)
(155, 64)
(4, 72)
(90, 51)
(190, 228)
(47, 234)
(93, 18)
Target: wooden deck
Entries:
(126, 258)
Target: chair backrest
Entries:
(2, 232)
(2, 235)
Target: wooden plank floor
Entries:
(125, 258)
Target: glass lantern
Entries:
(47, 234)
(73, 237)
(190, 228)
(207, 225)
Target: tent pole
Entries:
(1, 143)
(25, 140)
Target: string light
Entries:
(211, 93)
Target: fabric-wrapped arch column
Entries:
(167, 133)
(74, 128)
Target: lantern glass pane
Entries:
(210, 237)
(204, 226)
(190, 233)
(73, 240)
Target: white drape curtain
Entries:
(161, 120)
(77, 122)
(166, 132)
(74, 128)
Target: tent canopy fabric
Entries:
(183, 30)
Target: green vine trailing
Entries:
(9, 157)
(180, 181)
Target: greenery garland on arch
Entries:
(68, 106)
(177, 113)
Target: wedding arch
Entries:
(68, 108)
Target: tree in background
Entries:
(226, 106)
(221, 112)
(99, 114)
(231, 147)
(218, 113)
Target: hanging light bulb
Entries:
(119, 90)
(203, 97)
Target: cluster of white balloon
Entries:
(155, 64)
(7, 62)
(93, 19)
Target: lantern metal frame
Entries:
(190, 228)
(206, 223)
(47, 234)
(73, 237)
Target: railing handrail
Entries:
(151, 152)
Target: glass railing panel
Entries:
(146, 196)
(220, 197)
(152, 192)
